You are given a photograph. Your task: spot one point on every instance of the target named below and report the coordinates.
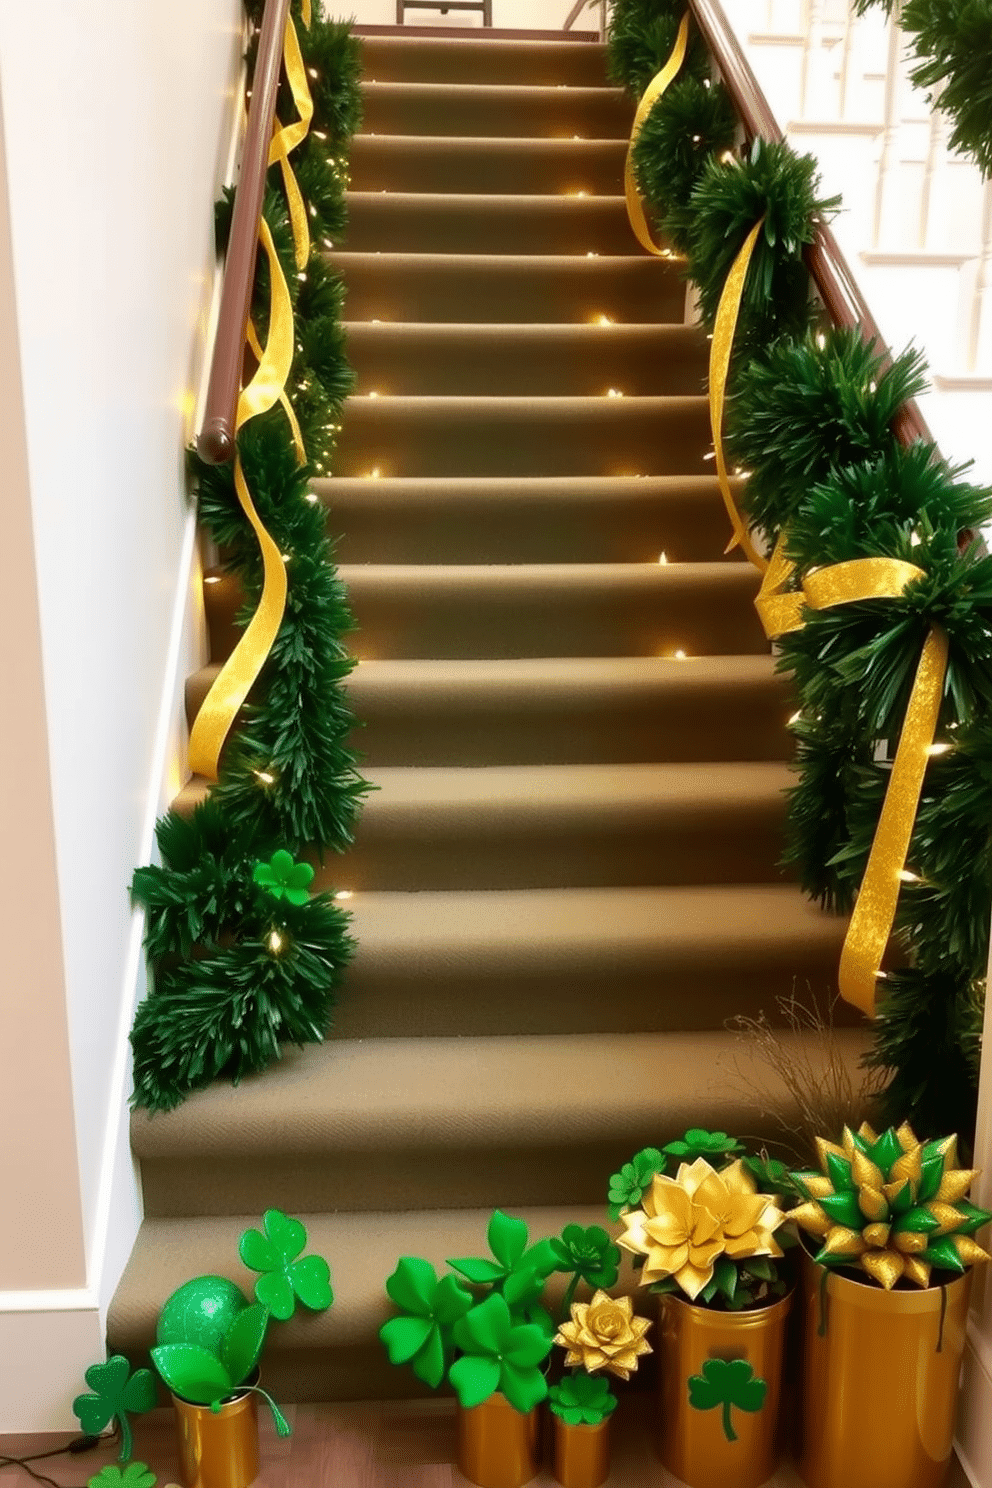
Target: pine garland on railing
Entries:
(809, 420)
(953, 41)
(243, 958)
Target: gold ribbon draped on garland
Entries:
(781, 611)
(856, 582)
(653, 91)
(266, 388)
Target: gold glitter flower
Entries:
(604, 1334)
(891, 1206)
(689, 1221)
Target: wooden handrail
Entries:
(215, 441)
(828, 267)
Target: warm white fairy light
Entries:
(614, 393)
(907, 876)
(795, 718)
(680, 655)
(265, 777)
(821, 340)
(312, 497)
(374, 474)
(939, 748)
(603, 320)
(275, 942)
(662, 557)
(344, 894)
(212, 579)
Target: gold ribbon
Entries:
(853, 583)
(239, 673)
(288, 136)
(721, 347)
(654, 90)
(287, 407)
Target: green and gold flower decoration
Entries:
(689, 1223)
(891, 1206)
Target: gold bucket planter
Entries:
(218, 1450)
(498, 1447)
(880, 1380)
(731, 1439)
(581, 1453)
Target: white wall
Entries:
(118, 119)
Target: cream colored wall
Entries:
(117, 121)
(41, 1240)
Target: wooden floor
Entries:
(396, 1444)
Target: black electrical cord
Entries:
(74, 1448)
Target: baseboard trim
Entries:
(974, 1439)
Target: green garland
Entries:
(953, 41)
(778, 187)
(693, 120)
(809, 418)
(640, 38)
(242, 963)
(802, 408)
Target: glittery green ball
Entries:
(201, 1311)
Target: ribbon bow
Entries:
(855, 582)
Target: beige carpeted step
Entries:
(517, 360)
(514, 166)
(619, 960)
(577, 609)
(507, 287)
(441, 1123)
(419, 222)
(501, 109)
(565, 826)
(483, 60)
(535, 519)
(445, 436)
(565, 710)
(335, 1355)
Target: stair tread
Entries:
(621, 921)
(714, 786)
(451, 1094)
(362, 1249)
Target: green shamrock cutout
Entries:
(421, 1337)
(284, 879)
(135, 1475)
(115, 1396)
(582, 1399)
(627, 1187)
(499, 1354)
(284, 1277)
(699, 1143)
(728, 1383)
(516, 1270)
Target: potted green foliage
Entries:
(210, 1339)
(701, 1218)
(484, 1329)
(888, 1243)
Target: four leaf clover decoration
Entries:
(286, 1273)
(283, 878)
(115, 1396)
(421, 1336)
(728, 1383)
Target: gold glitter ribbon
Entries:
(654, 90)
(721, 347)
(287, 137)
(239, 673)
(856, 582)
(287, 407)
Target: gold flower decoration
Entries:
(688, 1222)
(604, 1334)
(891, 1206)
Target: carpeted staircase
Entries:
(566, 879)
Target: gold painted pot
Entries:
(880, 1380)
(218, 1450)
(498, 1447)
(582, 1453)
(725, 1442)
